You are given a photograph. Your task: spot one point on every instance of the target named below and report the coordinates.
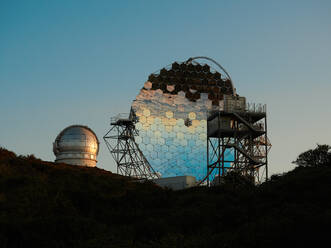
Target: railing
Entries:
(258, 126)
(256, 107)
(121, 116)
(238, 104)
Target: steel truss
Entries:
(120, 141)
(237, 141)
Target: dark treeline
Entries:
(48, 205)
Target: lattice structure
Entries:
(237, 140)
(120, 141)
(169, 128)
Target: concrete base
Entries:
(176, 183)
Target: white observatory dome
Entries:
(76, 145)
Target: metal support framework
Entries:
(237, 141)
(120, 141)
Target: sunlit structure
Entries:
(76, 145)
(172, 110)
(171, 116)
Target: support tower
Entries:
(120, 141)
(237, 140)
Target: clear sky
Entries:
(69, 62)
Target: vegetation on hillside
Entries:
(318, 157)
(43, 204)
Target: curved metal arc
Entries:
(216, 63)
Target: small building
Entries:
(176, 183)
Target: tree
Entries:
(320, 156)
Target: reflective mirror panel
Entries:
(172, 110)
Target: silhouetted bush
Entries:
(320, 156)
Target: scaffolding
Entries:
(237, 141)
(120, 141)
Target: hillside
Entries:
(43, 204)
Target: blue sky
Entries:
(81, 62)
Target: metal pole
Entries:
(207, 157)
(266, 145)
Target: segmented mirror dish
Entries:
(172, 110)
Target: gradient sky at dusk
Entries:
(81, 62)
